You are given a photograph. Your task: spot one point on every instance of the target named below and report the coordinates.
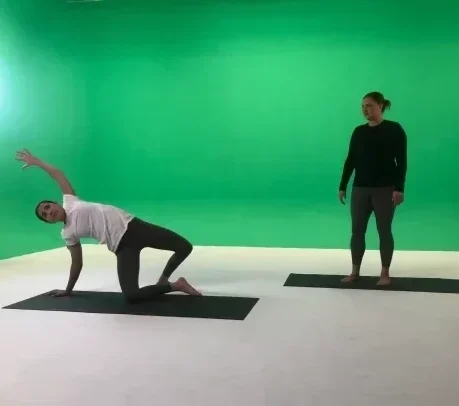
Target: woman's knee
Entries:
(385, 235)
(130, 296)
(186, 248)
(384, 227)
(359, 229)
(129, 287)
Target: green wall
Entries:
(228, 121)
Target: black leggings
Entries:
(364, 202)
(138, 236)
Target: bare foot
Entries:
(383, 281)
(182, 285)
(351, 278)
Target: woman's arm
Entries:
(75, 269)
(77, 265)
(401, 158)
(349, 164)
(55, 173)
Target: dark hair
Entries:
(379, 98)
(36, 209)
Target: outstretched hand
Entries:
(26, 157)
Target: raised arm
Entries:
(76, 254)
(30, 160)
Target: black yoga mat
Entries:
(431, 285)
(170, 305)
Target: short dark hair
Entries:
(379, 98)
(38, 205)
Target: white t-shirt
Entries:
(107, 224)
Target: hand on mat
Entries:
(342, 196)
(397, 198)
(26, 157)
(59, 293)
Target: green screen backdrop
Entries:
(226, 121)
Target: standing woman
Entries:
(378, 155)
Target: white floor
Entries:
(305, 347)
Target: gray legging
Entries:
(364, 201)
(138, 236)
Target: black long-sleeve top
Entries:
(378, 154)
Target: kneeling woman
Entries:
(122, 233)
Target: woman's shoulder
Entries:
(392, 124)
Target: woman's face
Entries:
(371, 110)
